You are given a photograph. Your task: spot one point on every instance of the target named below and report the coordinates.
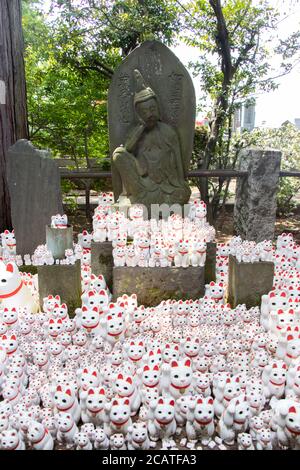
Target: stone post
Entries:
(61, 279)
(247, 282)
(59, 240)
(102, 261)
(255, 201)
(210, 263)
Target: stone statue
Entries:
(150, 163)
(151, 119)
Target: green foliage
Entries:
(236, 40)
(67, 111)
(71, 204)
(70, 56)
(97, 31)
(72, 51)
(200, 141)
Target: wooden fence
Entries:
(91, 174)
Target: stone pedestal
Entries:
(59, 240)
(255, 202)
(247, 282)
(61, 279)
(102, 261)
(152, 285)
(210, 263)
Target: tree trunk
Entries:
(13, 109)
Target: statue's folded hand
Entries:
(119, 151)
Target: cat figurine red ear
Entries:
(288, 422)
(234, 420)
(274, 379)
(100, 228)
(59, 221)
(14, 293)
(162, 423)
(176, 378)
(39, 436)
(65, 401)
(200, 418)
(126, 387)
(215, 291)
(113, 326)
(66, 428)
(85, 240)
(138, 437)
(118, 416)
(9, 244)
(182, 254)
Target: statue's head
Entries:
(148, 112)
(145, 102)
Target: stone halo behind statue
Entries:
(151, 124)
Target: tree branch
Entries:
(281, 74)
(222, 39)
(243, 55)
(98, 67)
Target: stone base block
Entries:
(210, 263)
(28, 269)
(102, 261)
(247, 282)
(152, 285)
(64, 280)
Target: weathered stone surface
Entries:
(247, 282)
(102, 261)
(28, 269)
(34, 186)
(61, 279)
(59, 240)
(152, 285)
(151, 75)
(210, 262)
(255, 204)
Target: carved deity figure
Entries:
(150, 162)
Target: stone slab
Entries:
(210, 262)
(63, 280)
(152, 285)
(102, 261)
(169, 79)
(59, 240)
(34, 186)
(255, 201)
(247, 282)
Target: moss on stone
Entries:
(28, 269)
(106, 260)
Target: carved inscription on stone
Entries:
(124, 97)
(175, 96)
(151, 63)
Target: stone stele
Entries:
(151, 109)
(256, 195)
(34, 186)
